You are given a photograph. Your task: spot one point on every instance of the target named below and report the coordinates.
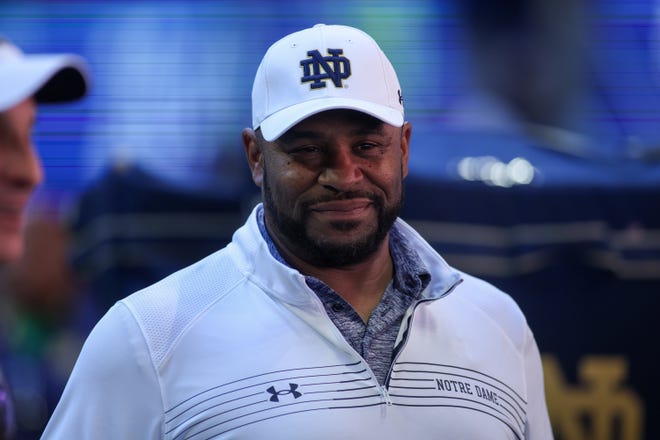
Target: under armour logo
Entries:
(334, 67)
(276, 394)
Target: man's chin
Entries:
(11, 247)
(341, 233)
(340, 248)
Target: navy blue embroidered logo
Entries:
(317, 68)
(400, 96)
(276, 394)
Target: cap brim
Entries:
(278, 123)
(49, 78)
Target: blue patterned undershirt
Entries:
(375, 339)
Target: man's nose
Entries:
(21, 167)
(341, 171)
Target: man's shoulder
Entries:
(203, 280)
(492, 304)
(170, 305)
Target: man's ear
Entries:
(254, 155)
(406, 131)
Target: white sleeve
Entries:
(113, 390)
(538, 422)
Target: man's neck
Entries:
(361, 285)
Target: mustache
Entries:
(343, 196)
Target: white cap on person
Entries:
(47, 77)
(323, 68)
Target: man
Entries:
(326, 317)
(24, 82)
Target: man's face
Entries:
(20, 172)
(333, 185)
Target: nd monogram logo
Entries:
(275, 395)
(318, 68)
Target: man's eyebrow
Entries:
(366, 130)
(6, 130)
(294, 134)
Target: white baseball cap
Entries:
(47, 77)
(323, 68)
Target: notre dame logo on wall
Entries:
(601, 407)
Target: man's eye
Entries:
(307, 149)
(368, 147)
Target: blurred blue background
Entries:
(534, 164)
(172, 79)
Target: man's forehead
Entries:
(357, 121)
(347, 114)
(4, 122)
(12, 119)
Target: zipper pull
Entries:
(385, 394)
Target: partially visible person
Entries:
(25, 81)
(327, 316)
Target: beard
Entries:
(319, 250)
